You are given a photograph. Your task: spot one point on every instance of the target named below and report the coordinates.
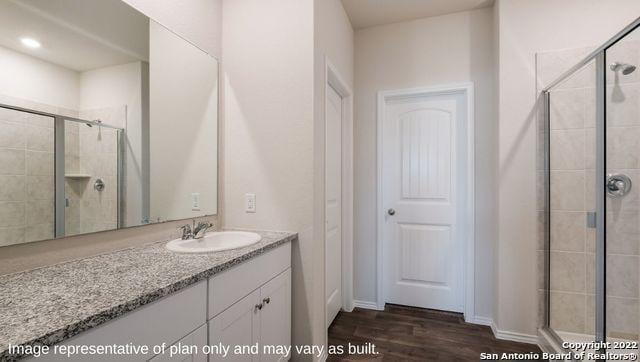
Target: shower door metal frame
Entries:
(60, 200)
(599, 55)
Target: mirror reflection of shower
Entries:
(617, 95)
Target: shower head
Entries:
(626, 69)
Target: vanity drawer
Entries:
(164, 321)
(234, 284)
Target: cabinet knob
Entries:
(258, 307)
(266, 300)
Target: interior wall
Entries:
(268, 111)
(199, 21)
(334, 41)
(201, 25)
(525, 28)
(433, 51)
(33, 80)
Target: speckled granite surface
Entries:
(54, 303)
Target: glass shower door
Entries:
(571, 159)
(622, 185)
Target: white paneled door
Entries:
(422, 252)
(333, 205)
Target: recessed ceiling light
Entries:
(30, 43)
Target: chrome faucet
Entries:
(194, 231)
(200, 229)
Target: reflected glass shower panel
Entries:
(572, 159)
(91, 178)
(27, 202)
(622, 186)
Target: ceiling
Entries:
(77, 34)
(366, 13)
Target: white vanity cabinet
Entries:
(262, 317)
(246, 304)
(261, 313)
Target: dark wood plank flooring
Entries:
(406, 333)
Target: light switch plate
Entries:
(250, 202)
(195, 201)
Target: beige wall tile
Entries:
(567, 190)
(623, 147)
(40, 163)
(568, 231)
(567, 149)
(590, 315)
(568, 271)
(40, 187)
(12, 162)
(623, 316)
(40, 212)
(590, 148)
(39, 232)
(12, 214)
(567, 109)
(590, 269)
(623, 233)
(622, 276)
(567, 312)
(9, 236)
(13, 188)
(41, 121)
(40, 138)
(12, 135)
(623, 105)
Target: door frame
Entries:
(467, 90)
(334, 79)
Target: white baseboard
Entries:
(505, 335)
(483, 321)
(366, 305)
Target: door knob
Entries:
(391, 212)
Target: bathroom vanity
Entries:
(150, 296)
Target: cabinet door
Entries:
(275, 316)
(237, 326)
(182, 351)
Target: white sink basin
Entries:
(216, 241)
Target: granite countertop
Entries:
(53, 303)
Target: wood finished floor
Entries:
(414, 334)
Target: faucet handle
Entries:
(186, 231)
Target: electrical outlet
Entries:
(195, 201)
(250, 202)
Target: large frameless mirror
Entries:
(107, 120)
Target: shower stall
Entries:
(71, 169)
(590, 172)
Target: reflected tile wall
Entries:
(26, 177)
(91, 210)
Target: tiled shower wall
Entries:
(26, 177)
(572, 176)
(92, 151)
